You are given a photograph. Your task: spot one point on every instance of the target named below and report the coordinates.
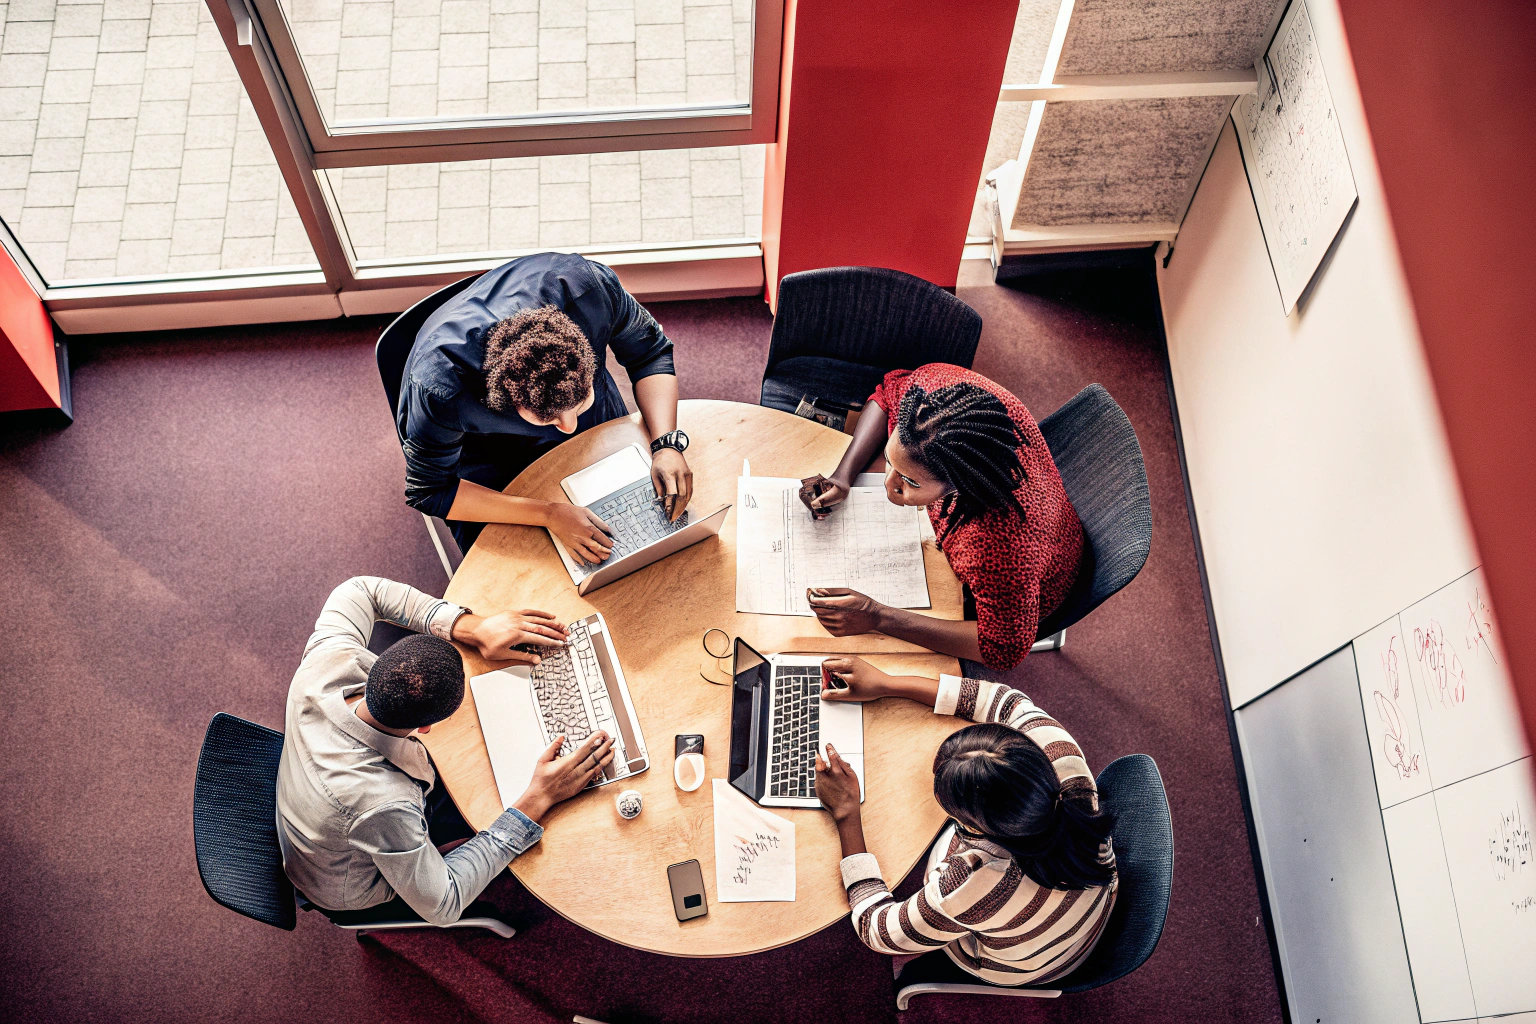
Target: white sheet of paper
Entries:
(866, 544)
(1486, 823)
(1428, 909)
(1466, 702)
(1391, 713)
(754, 851)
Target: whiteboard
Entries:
(1454, 781)
(1293, 150)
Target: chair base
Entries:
(934, 988)
(490, 924)
(1055, 642)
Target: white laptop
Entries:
(574, 691)
(620, 491)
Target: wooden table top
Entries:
(609, 875)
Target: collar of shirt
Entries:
(404, 752)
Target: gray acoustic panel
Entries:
(1313, 792)
(1031, 39)
(1121, 37)
(1118, 161)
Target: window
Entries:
(159, 144)
(128, 148)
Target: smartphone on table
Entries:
(687, 882)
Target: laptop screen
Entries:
(751, 671)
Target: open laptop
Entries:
(779, 722)
(620, 491)
(574, 691)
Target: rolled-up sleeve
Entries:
(439, 887)
(638, 341)
(431, 451)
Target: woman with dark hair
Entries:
(1021, 882)
(967, 449)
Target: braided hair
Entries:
(963, 435)
(995, 778)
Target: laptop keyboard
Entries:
(635, 518)
(796, 727)
(557, 688)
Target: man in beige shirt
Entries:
(359, 813)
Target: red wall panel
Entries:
(29, 370)
(884, 113)
(1445, 88)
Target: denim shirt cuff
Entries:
(518, 831)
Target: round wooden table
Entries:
(609, 875)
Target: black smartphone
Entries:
(687, 881)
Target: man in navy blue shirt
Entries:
(512, 366)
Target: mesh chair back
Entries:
(1132, 788)
(1095, 449)
(873, 316)
(394, 346)
(234, 821)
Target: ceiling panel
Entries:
(1118, 161)
(1116, 37)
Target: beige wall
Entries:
(1321, 478)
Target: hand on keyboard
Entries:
(581, 530)
(558, 778)
(511, 636)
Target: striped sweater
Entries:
(990, 917)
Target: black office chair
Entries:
(1132, 788)
(839, 331)
(393, 349)
(234, 831)
(1096, 451)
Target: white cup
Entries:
(688, 772)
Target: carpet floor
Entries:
(165, 557)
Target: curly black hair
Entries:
(418, 681)
(537, 360)
(963, 435)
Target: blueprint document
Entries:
(866, 544)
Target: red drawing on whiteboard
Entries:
(1445, 678)
(1396, 744)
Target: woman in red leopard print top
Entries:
(967, 449)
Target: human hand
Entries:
(560, 778)
(581, 530)
(844, 612)
(497, 637)
(820, 493)
(673, 480)
(861, 681)
(837, 787)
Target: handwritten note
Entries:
(1294, 152)
(754, 850)
(1485, 826)
(866, 544)
(1466, 705)
(1391, 713)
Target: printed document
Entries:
(754, 851)
(866, 544)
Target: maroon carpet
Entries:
(165, 558)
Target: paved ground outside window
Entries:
(664, 195)
(427, 58)
(128, 147)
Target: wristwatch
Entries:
(671, 439)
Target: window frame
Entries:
(455, 138)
